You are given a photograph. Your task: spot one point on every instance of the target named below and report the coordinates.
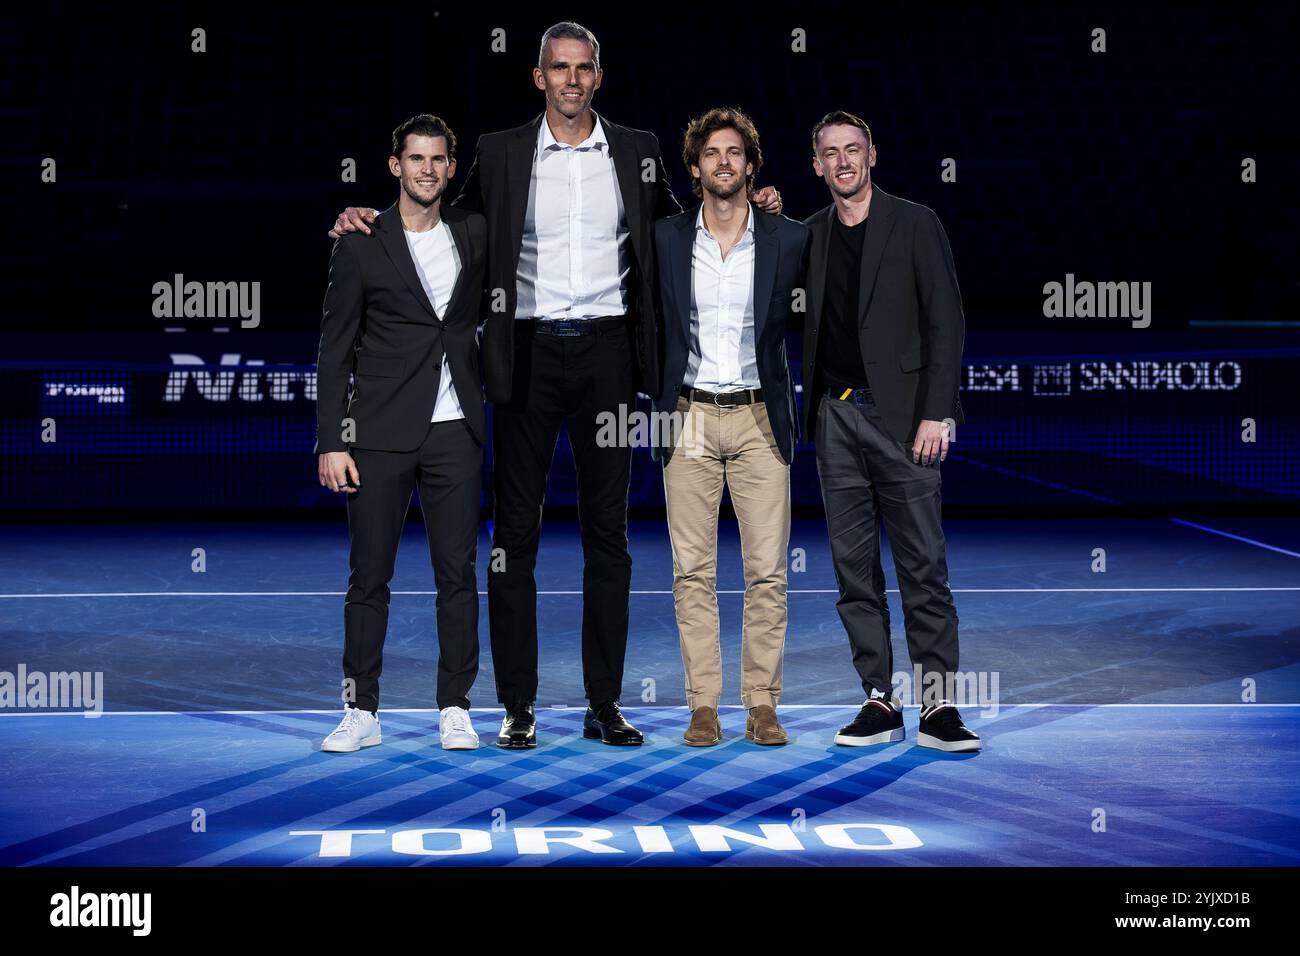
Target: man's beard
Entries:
(426, 203)
(726, 192)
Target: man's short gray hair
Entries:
(568, 30)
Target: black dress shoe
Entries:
(519, 728)
(608, 723)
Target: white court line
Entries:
(122, 594)
(1236, 537)
(553, 707)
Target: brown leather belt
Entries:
(749, 396)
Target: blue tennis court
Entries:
(1144, 715)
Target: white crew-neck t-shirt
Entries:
(438, 265)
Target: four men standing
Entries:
(567, 272)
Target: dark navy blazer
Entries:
(780, 254)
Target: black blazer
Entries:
(910, 325)
(497, 186)
(780, 252)
(379, 327)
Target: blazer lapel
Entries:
(766, 254)
(821, 243)
(627, 170)
(681, 272)
(520, 155)
(394, 242)
(873, 248)
(460, 235)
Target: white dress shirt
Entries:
(438, 263)
(574, 260)
(722, 357)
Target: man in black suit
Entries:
(881, 364)
(570, 333)
(399, 324)
(726, 276)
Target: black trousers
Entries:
(570, 381)
(867, 477)
(447, 472)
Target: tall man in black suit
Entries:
(400, 318)
(881, 364)
(726, 277)
(570, 333)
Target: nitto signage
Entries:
(245, 382)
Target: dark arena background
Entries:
(1120, 506)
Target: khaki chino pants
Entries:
(732, 445)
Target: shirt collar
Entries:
(546, 139)
(749, 221)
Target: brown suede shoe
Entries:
(762, 727)
(704, 731)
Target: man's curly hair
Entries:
(701, 128)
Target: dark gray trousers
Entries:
(447, 472)
(868, 477)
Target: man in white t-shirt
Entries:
(400, 408)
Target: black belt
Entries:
(849, 393)
(572, 327)
(749, 396)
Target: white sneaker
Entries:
(455, 729)
(358, 728)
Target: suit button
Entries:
(436, 366)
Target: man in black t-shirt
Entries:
(882, 358)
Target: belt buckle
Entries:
(565, 328)
(716, 403)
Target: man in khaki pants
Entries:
(726, 275)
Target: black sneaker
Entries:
(519, 728)
(942, 729)
(878, 722)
